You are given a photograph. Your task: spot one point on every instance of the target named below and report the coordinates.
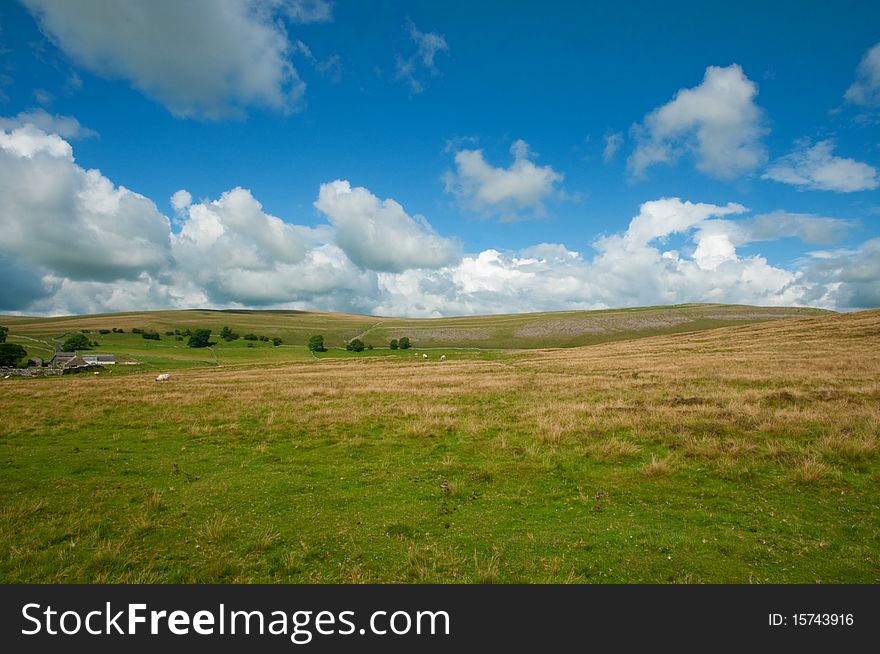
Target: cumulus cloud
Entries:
(502, 191)
(379, 234)
(865, 90)
(67, 127)
(55, 214)
(73, 242)
(817, 168)
(717, 122)
(215, 58)
(181, 200)
(428, 45)
(846, 278)
(23, 283)
(234, 250)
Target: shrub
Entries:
(85, 331)
(250, 337)
(150, 335)
(250, 344)
(355, 345)
(186, 332)
(137, 330)
(11, 354)
(265, 339)
(393, 344)
(369, 347)
(316, 344)
(404, 343)
(76, 342)
(200, 338)
(103, 331)
(116, 330)
(4, 331)
(276, 341)
(169, 333)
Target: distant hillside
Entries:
(514, 331)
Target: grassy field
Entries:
(747, 453)
(528, 330)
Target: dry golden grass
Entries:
(795, 404)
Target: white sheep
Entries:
(443, 357)
(163, 377)
(424, 356)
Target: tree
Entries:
(4, 331)
(316, 344)
(11, 354)
(151, 335)
(404, 343)
(76, 342)
(250, 337)
(355, 345)
(227, 334)
(393, 344)
(200, 338)
(276, 341)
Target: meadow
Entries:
(744, 453)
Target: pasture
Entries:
(745, 453)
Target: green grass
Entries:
(747, 454)
(531, 330)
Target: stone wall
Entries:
(30, 372)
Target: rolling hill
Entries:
(514, 331)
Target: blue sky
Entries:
(438, 158)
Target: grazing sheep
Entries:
(163, 377)
(443, 357)
(424, 356)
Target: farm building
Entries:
(61, 359)
(99, 359)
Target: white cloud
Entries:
(215, 58)
(307, 11)
(783, 224)
(846, 278)
(717, 122)
(55, 214)
(234, 250)
(502, 191)
(65, 126)
(181, 200)
(72, 242)
(660, 218)
(629, 269)
(379, 234)
(428, 45)
(612, 145)
(865, 90)
(330, 67)
(817, 168)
